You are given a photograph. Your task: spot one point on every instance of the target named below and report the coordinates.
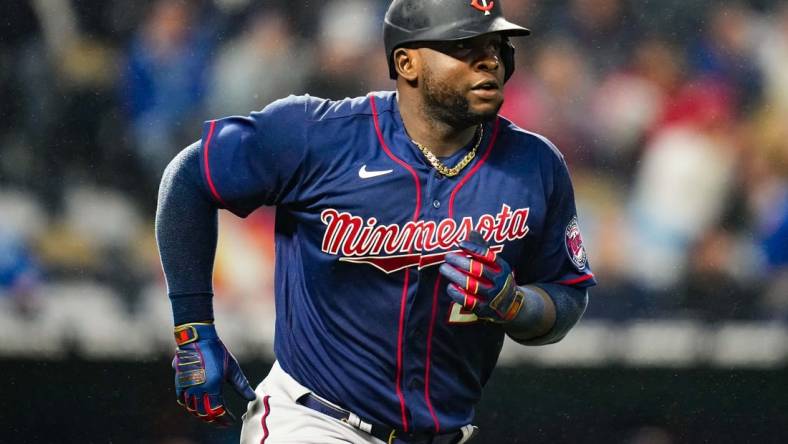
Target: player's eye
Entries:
(460, 49)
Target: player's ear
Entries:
(406, 61)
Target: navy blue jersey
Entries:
(362, 220)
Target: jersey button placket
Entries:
(415, 383)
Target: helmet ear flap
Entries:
(507, 57)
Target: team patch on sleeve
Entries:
(574, 245)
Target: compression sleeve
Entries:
(569, 302)
(186, 233)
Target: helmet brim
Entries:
(469, 29)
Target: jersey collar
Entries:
(403, 147)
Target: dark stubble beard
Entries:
(450, 105)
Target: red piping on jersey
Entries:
(400, 332)
(207, 166)
(577, 280)
(429, 354)
(404, 296)
(475, 167)
(396, 159)
(266, 411)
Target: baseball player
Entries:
(414, 230)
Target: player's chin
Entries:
(485, 101)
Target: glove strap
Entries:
(509, 294)
(516, 305)
(188, 333)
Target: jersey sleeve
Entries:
(560, 257)
(247, 162)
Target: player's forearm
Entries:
(549, 312)
(186, 232)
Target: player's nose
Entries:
(488, 58)
(489, 62)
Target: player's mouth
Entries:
(486, 89)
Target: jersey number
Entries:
(459, 315)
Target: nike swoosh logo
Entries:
(364, 174)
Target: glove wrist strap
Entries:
(192, 332)
(511, 294)
(515, 306)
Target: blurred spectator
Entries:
(769, 187)
(239, 271)
(19, 273)
(601, 29)
(766, 178)
(682, 184)
(374, 70)
(772, 51)
(51, 71)
(265, 63)
(712, 290)
(600, 205)
(726, 52)
(551, 97)
(165, 79)
(524, 11)
(348, 29)
(630, 101)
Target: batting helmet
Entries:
(409, 21)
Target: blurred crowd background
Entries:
(672, 114)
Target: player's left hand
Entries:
(481, 282)
(202, 364)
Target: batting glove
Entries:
(481, 282)
(202, 363)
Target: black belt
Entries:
(386, 434)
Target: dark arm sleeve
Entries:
(570, 304)
(186, 233)
(239, 164)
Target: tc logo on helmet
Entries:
(484, 6)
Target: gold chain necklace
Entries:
(455, 170)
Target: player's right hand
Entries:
(482, 282)
(202, 363)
